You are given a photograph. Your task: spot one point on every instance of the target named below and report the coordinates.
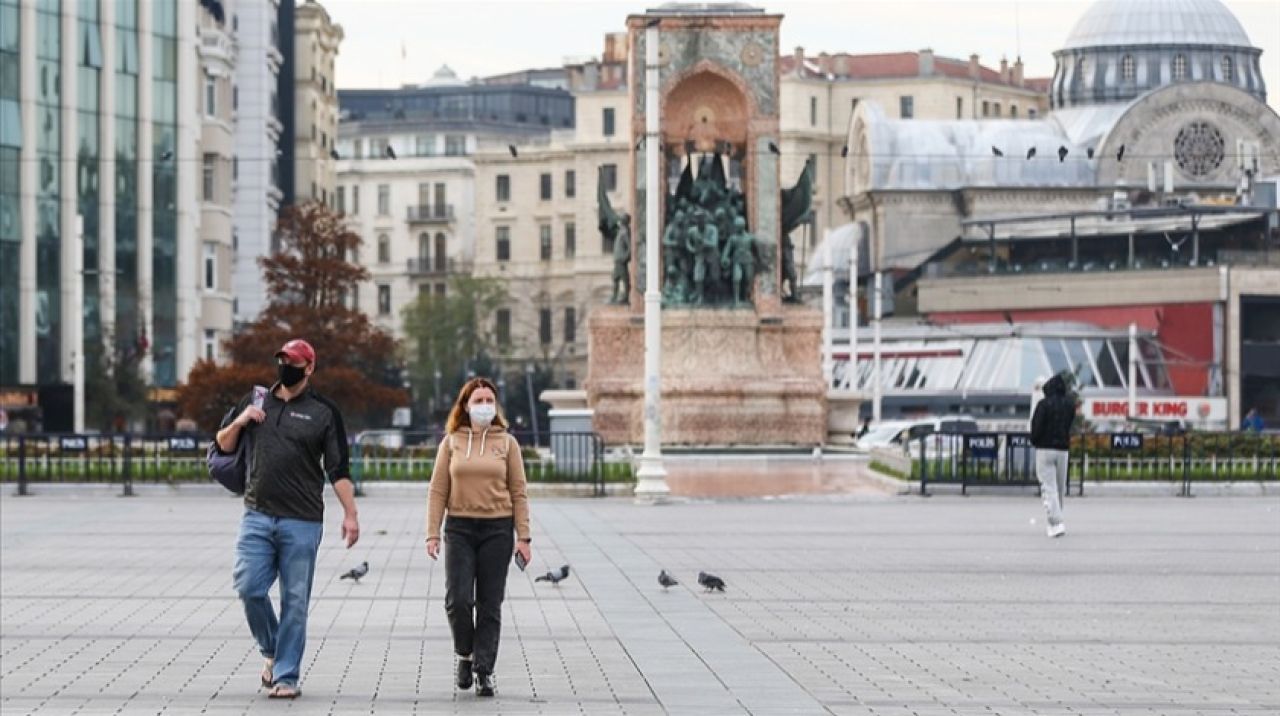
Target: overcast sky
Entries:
(392, 42)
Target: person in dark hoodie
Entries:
(1051, 437)
(479, 481)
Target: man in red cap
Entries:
(299, 441)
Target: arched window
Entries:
(424, 248)
(1179, 67)
(384, 249)
(1228, 69)
(441, 253)
(1128, 69)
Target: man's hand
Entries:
(433, 547)
(250, 414)
(350, 529)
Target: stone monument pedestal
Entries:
(730, 376)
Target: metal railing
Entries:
(430, 266)
(430, 213)
(977, 459)
(1008, 459)
(126, 459)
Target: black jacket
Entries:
(286, 472)
(1051, 423)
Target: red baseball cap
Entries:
(298, 349)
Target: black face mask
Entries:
(290, 375)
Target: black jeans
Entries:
(477, 552)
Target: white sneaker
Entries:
(1056, 530)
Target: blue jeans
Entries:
(269, 547)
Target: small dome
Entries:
(444, 76)
(1157, 22)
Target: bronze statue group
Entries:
(709, 257)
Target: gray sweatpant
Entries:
(1051, 470)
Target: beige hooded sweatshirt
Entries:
(478, 473)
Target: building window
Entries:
(384, 300)
(210, 345)
(570, 240)
(207, 183)
(959, 107)
(607, 121)
(355, 199)
(995, 108)
(1013, 111)
(210, 267)
(986, 108)
(424, 250)
(384, 200)
(906, 107)
(503, 188)
(544, 326)
(544, 187)
(1128, 70)
(502, 326)
(1179, 67)
(340, 200)
(455, 145)
(426, 145)
(440, 289)
(210, 97)
(235, 167)
(442, 253)
(384, 249)
(570, 325)
(235, 97)
(1228, 69)
(503, 249)
(315, 191)
(813, 111)
(609, 174)
(544, 242)
(570, 181)
(1031, 113)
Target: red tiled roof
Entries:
(889, 65)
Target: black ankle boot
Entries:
(464, 674)
(484, 684)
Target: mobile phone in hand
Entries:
(521, 562)
(259, 396)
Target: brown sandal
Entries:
(284, 691)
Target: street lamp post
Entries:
(651, 478)
(533, 405)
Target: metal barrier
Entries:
(980, 459)
(410, 456)
(1007, 459)
(127, 458)
(1186, 457)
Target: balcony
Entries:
(217, 45)
(431, 214)
(421, 267)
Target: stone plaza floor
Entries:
(835, 605)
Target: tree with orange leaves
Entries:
(308, 281)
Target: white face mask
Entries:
(482, 413)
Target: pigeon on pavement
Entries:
(711, 582)
(555, 577)
(666, 580)
(357, 572)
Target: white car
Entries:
(906, 434)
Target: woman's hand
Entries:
(524, 550)
(433, 547)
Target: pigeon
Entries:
(996, 151)
(774, 148)
(1120, 154)
(666, 580)
(391, 153)
(639, 143)
(167, 155)
(357, 572)
(555, 577)
(334, 154)
(844, 151)
(1031, 152)
(1062, 154)
(512, 148)
(711, 582)
(1089, 152)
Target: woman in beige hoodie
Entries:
(479, 482)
